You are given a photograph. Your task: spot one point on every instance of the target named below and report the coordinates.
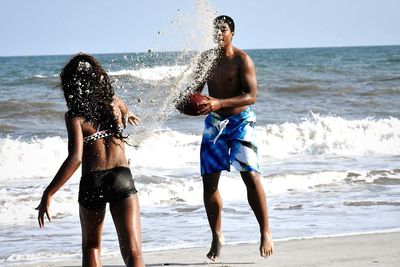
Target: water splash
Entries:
(154, 102)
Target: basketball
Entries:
(189, 105)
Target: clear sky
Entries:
(48, 27)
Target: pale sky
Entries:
(53, 27)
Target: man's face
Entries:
(222, 34)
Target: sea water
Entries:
(328, 124)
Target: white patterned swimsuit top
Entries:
(100, 134)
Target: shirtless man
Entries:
(229, 134)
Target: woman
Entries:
(95, 120)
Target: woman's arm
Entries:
(127, 116)
(67, 169)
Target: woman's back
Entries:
(108, 152)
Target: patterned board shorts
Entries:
(229, 140)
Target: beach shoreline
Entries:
(370, 249)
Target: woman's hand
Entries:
(132, 119)
(44, 208)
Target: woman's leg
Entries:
(92, 225)
(126, 218)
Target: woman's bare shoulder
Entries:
(69, 117)
(116, 101)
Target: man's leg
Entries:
(258, 203)
(213, 205)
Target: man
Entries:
(229, 134)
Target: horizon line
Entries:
(169, 51)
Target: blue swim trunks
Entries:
(229, 140)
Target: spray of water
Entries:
(193, 31)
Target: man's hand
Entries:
(209, 105)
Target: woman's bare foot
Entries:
(266, 245)
(215, 250)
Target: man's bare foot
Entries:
(215, 250)
(266, 245)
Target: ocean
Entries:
(328, 124)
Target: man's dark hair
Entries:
(225, 19)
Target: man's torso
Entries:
(225, 81)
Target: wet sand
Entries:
(380, 249)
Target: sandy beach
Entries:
(382, 249)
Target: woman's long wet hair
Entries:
(88, 92)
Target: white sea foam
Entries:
(168, 150)
(16, 258)
(30, 159)
(18, 203)
(152, 74)
(41, 76)
(166, 164)
(330, 135)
